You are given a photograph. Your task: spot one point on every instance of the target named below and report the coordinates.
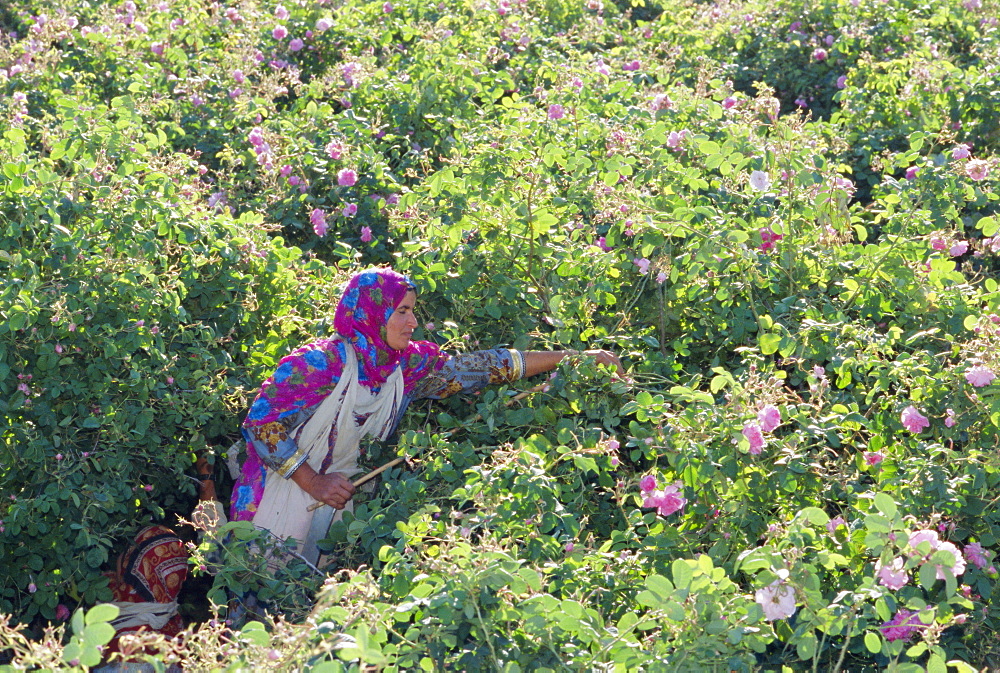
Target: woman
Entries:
(304, 428)
(148, 578)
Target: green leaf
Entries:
(657, 593)
(815, 516)
(98, 635)
(873, 642)
(806, 647)
(885, 504)
(682, 573)
(77, 622)
(103, 612)
(928, 575)
(674, 611)
(876, 523)
(720, 382)
(256, 633)
(531, 578)
(787, 346)
(935, 664)
(769, 343)
(988, 225)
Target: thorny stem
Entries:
(847, 641)
(489, 640)
(733, 251)
(878, 263)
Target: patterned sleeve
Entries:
(288, 398)
(469, 372)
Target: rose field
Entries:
(783, 215)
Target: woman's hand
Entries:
(608, 359)
(333, 489)
(538, 362)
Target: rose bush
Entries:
(782, 215)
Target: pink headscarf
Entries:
(370, 297)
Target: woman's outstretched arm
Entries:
(539, 362)
(445, 375)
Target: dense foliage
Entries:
(783, 215)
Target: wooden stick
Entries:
(396, 461)
(360, 480)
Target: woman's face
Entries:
(402, 322)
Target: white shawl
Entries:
(283, 508)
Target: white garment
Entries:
(356, 411)
(151, 614)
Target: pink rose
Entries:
(752, 431)
(647, 484)
(347, 178)
(913, 420)
(979, 376)
(769, 418)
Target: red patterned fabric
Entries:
(153, 569)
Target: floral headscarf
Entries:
(369, 299)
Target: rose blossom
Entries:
(977, 169)
(318, 220)
(902, 626)
(346, 177)
(768, 237)
(976, 555)
(769, 418)
(667, 501)
(836, 522)
(647, 484)
(979, 376)
(913, 420)
(894, 575)
(957, 568)
(760, 181)
(874, 457)
(777, 600)
(752, 432)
